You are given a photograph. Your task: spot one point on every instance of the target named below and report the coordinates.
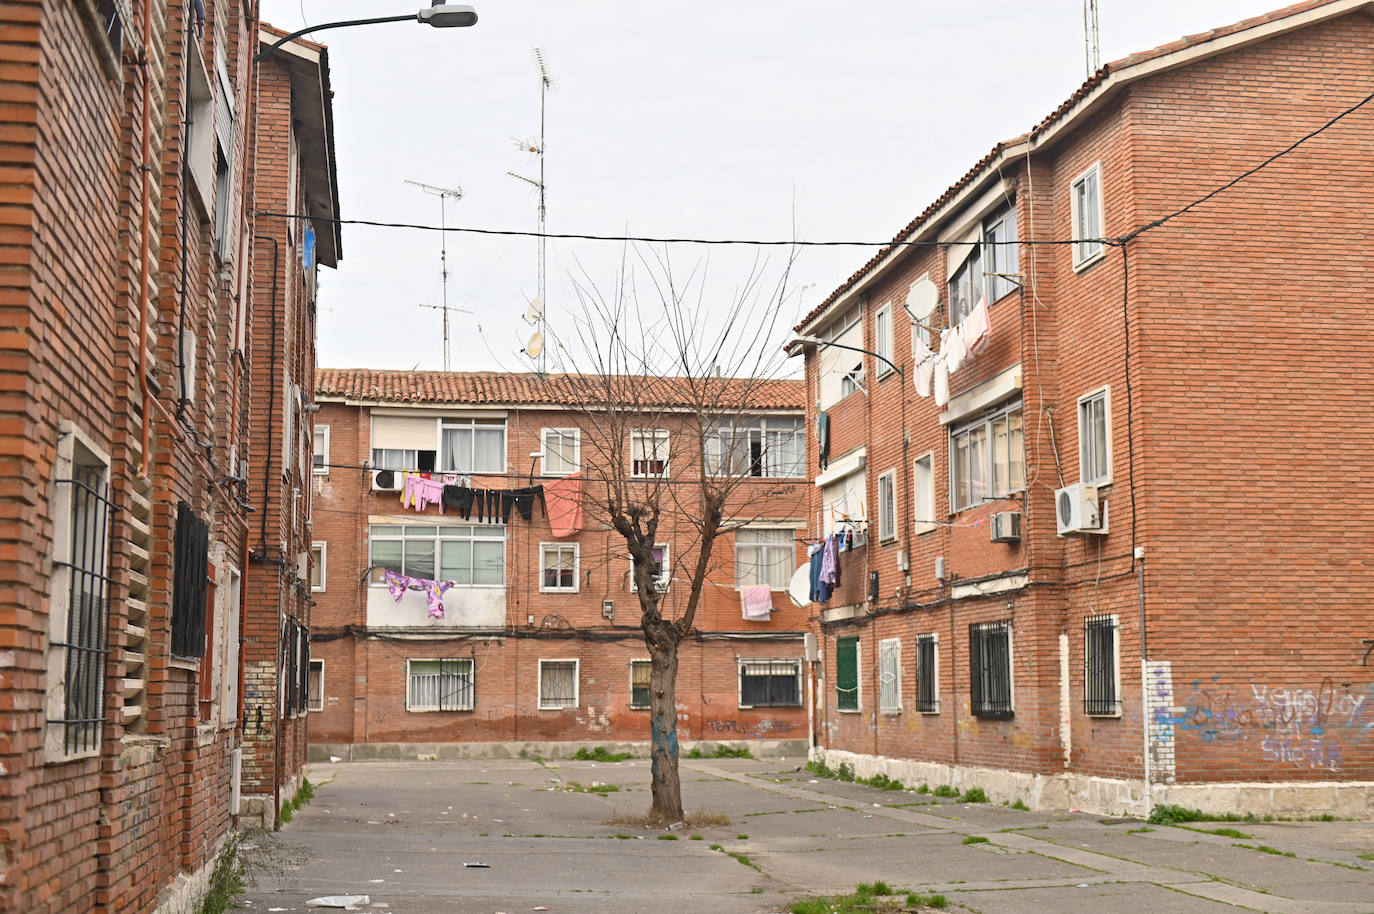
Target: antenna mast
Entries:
(1093, 55)
(545, 83)
(444, 194)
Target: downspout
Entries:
(1144, 681)
(272, 396)
(277, 724)
(145, 204)
(186, 123)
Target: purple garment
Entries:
(398, 584)
(830, 560)
(434, 593)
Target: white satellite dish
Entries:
(923, 298)
(535, 345)
(535, 311)
(799, 588)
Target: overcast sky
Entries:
(716, 120)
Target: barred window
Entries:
(1101, 690)
(990, 669)
(927, 675)
(190, 566)
(440, 685)
(557, 684)
(639, 683)
(847, 674)
(890, 674)
(769, 684)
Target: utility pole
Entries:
(545, 83)
(444, 194)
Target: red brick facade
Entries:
(1235, 446)
(362, 639)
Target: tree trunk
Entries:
(667, 786)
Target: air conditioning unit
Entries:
(388, 480)
(1076, 510)
(1006, 527)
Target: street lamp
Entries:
(440, 14)
(800, 340)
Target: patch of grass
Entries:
(975, 839)
(874, 888)
(742, 837)
(1017, 804)
(695, 838)
(945, 790)
(1266, 849)
(926, 901)
(717, 847)
(1138, 831)
(667, 837)
(226, 879)
(701, 818)
(1365, 856)
(600, 754)
(923, 789)
(603, 789)
(722, 752)
(304, 794)
(1169, 814)
(883, 782)
(1227, 832)
(974, 795)
(743, 858)
(623, 837)
(868, 898)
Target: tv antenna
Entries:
(444, 194)
(1093, 55)
(535, 349)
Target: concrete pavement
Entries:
(401, 832)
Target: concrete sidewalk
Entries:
(401, 832)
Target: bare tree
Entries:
(664, 386)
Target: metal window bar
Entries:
(640, 671)
(557, 687)
(990, 669)
(87, 609)
(1099, 666)
(889, 697)
(925, 676)
(769, 684)
(191, 562)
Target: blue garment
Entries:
(820, 591)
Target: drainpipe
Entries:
(272, 397)
(1144, 678)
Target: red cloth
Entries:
(563, 499)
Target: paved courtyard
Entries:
(402, 833)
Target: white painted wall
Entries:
(464, 607)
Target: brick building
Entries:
(1108, 559)
(129, 318)
(537, 642)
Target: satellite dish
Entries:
(535, 311)
(923, 297)
(535, 345)
(799, 588)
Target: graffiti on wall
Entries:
(1159, 680)
(755, 730)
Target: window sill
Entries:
(560, 708)
(558, 590)
(850, 710)
(1084, 265)
(887, 540)
(182, 663)
(994, 715)
(1103, 715)
(933, 712)
(925, 528)
(892, 712)
(432, 710)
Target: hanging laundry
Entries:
(925, 375)
(823, 438)
(830, 561)
(421, 492)
(756, 603)
(398, 584)
(940, 383)
(563, 502)
(434, 595)
(459, 498)
(523, 499)
(952, 348)
(820, 590)
(977, 329)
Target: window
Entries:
(847, 674)
(467, 556)
(562, 451)
(1086, 206)
(990, 669)
(229, 669)
(764, 556)
(887, 506)
(840, 369)
(1101, 684)
(756, 447)
(649, 452)
(295, 682)
(1095, 438)
(314, 687)
(319, 453)
(844, 499)
(927, 675)
(890, 674)
(987, 457)
(1000, 259)
(966, 287)
(991, 249)
(639, 682)
(403, 459)
(226, 239)
(404, 443)
(923, 493)
(191, 563)
(882, 340)
(769, 684)
(110, 17)
(469, 446)
(318, 555)
(662, 575)
(557, 684)
(558, 567)
(439, 685)
(79, 604)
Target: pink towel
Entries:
(563, 500)
(757, 602)
(977, 328)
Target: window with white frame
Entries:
(844, 500)
(314, 687)
(649, 452)
(770, 684)
(440, 685)
(78, 619)
(1095, 438)
(989, 258)
(319, 453)
(662, 575)
(557, 684)
(562, 451)
(404, 443)
(887, 506)
(927, 674)
(640, 671)
(558, 567)
(841, 370)
(987, 457)
(1086, 207)
(923, 493)
(472, 446)
(764, 556)
(770, 446)
(890, 675)
(882, 340)
(1101, 667)
(467, 556)
(319, 553)
(1001, 260)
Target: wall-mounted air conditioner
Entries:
(1077, 510)
(1006, 527)
(387, 480)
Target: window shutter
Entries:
(847, 673)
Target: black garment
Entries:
(460, 497)
(481, 495)
(507, 502)
(524, 501)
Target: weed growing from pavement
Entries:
(868, 898)
(974, 795)
(667, 837)
(304, 794)
(594, 787)
(1225, 832)
(1018, 804)
(701, 818)
(1266, 849)
(975, 839)
(946, 791)
(1138, 831)
(1365, 856)
(600, 754)
(721, 752)
(226, 879)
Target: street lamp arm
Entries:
(408, 17)
(817, 341)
